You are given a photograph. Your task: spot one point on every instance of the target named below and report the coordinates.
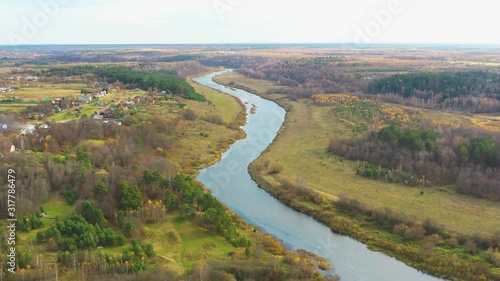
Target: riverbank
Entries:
(308, 169)
(264, 246)
(231, 184)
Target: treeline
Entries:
(234, 61)
(303, 78)
(424, 244)
(423, 240)
(428, 156)
(182, 57)
(472, 91)
(132, 78)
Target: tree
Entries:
(170, 200)
(100, 190)
(130, 196)
(91, 213)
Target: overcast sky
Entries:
(248, 21)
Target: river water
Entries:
(231, 183)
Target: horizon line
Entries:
(432, 44)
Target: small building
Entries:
(3, 126)
(85, 98)
(106, 112)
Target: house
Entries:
(136, 99)
(32, 78)
(100, 94)
(130, 102)
(106, 112)
(43, 126)
(85, 98)
(151, 102)
(3, 126)
(97, 117)
(5, 90)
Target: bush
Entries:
(275, 168)
(493, 256)
(431, 227)
(189, 115)
(452, 242)
(70, 195)
(128, 229)
(400, 228)
(471, 246)
(414, 233)
(148, 250)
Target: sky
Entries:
(248, 21)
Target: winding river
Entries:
(231, 183)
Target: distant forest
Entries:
(465, 91)
(472, 91)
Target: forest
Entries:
(428, 156)
(133, 79)
(469, 91)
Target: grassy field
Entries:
(224, 105)
(13, 107)
(38, 94)
(301, 149)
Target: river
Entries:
(231, 183)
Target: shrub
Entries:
(452, 242)
(414, 233)
(400, 228)
(189, 115)
(275, 168)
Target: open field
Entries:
(224, 105)
(301, 149)
(38, 94)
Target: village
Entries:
(106, 104)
